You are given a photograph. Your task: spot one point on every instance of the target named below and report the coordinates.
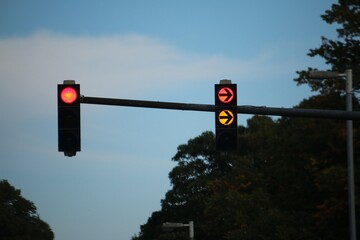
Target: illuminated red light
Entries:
(226, 95)
(68, 95)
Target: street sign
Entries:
(226, 117)
(169, 226)
(173, 225)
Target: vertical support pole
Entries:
(350, 157)
(191, 230)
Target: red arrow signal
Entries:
(225, 95)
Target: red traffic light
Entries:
(68, 95)
(225, 95)
(69, 140)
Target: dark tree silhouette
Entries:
(18, 217)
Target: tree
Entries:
(288, 178)
(340, 54)
(18, 217)
(286, 181)
(239, 206)
(196, 166)
(314, 163)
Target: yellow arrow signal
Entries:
(226, 117)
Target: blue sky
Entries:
(149, 50)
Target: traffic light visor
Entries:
(68, 95)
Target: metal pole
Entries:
(350, 157)
(289, 112)
(191, 230)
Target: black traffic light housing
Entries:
(226, 116)
(69, 118)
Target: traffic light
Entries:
(69, 118)
(226, 116)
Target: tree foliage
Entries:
(18, 217)
(288, 179)
(342, 53)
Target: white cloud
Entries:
(108, 65)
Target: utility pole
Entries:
(350, 150)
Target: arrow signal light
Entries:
(226, 117)
(226, 95)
